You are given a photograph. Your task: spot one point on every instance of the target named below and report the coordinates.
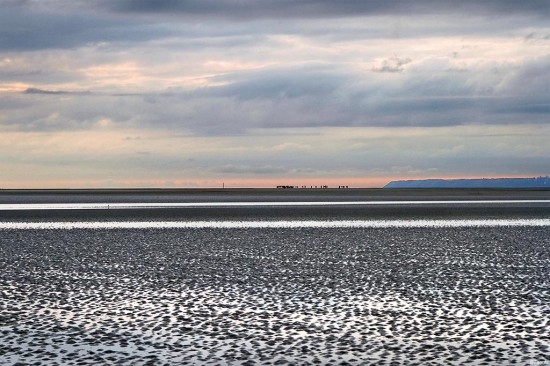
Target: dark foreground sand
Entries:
(475, 296)
(493, 204)
(264, 194)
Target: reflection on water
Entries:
(153, 205)
(274, 224)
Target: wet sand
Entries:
(262, 194)
(245, 296)
(502, 205)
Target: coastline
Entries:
(274, 204)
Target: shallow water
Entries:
(270, 277)
(265, 224)
(462, 294)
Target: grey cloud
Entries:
(54, 92)
(321, 95)
(311, 95)
(531, 80)
(63, 112)
(41, 91)
(20, 75)
(526, 107)
(69, 25)
(303, 97)
(323, 8)
(89, 93)
(31, 25)
(26, 28)
(12, 102)
(393, 64)
(36, 67)
(288, 82)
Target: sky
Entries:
(241, 93)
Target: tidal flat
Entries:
(329, 277)
(357, 296)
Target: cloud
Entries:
(58, 24)
(33, 158)
(281, 82)
(55, 92)
(272, 88)
(314, 8)
(393, 64)
(307, 95)
(27, 26)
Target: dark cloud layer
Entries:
(25, 27)
(326, 8)
(30, 25)
(54, 92)
(309, 95)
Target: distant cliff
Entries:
(539, 182)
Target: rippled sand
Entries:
(276, 296)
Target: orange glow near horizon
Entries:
(334, 182)
(331, 182)
(201, 183)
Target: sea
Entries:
(275, 277)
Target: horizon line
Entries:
(309, 186)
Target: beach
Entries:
(186, 287)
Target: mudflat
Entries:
(242, 294)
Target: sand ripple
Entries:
(355, 296)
